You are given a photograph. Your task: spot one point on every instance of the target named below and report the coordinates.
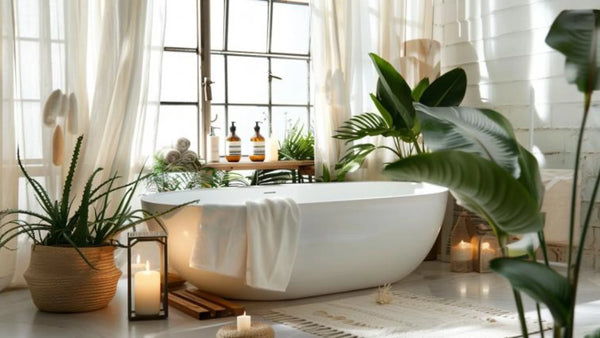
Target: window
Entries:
(256, 69)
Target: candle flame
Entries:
(485, 246)
(464, 245)
(147, 265)
(138, 259)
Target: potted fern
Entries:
(72, 265)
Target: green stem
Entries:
(539, 313)
(521, 312)
(416, 143)
(542, 240)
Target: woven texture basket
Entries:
(61, 281)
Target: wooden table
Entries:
(305, 167)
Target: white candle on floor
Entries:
(462, 252)
(147, 291)
(244, 322)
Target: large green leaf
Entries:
(394, 93)
(530, 176)
(538, 281)
(447, 90)
(480, 185)
(480, 131)
(419, 89)
(353, 159)
(574, 33)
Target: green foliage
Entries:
(479, 184)
(297, 145)
(397, 118)
(93, 223)
(575, 34)
(540, 282)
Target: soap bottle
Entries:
(258, 145)
(233, 146)
(212, 146)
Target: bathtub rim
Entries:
(431, 189)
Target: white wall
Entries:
(500, 44)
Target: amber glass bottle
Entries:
(233, 146)
(258, 145)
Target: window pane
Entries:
(217, 72)
(216, 24)
(29, 121)
(247, 79)
(293, 86)
(284, 118)
(28, 19)
(180, 28)
(29, 67)
(248, 25)
(290, 28)
(244, 118)
(179, 77)
(175, 122)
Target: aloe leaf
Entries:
(479, 184)
(538, 281)
(64, 205)
(417, 92)
(447, 90)
(394, 93)
(574, 33)
(480, 131)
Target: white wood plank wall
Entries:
(500, 44)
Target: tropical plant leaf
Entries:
(480, 185)
(264, 177)
(394, 93)
(297, 145)
(530, 176)
(595, 334)
(363, 125)
(387, 116)
(574, 33)
(538, 281)
(353, 159)
(479, 131)
(447, 90)
(417, 92)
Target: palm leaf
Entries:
(353, 159)
(538, 281)
(480, 131)
(480, 185)
(447, 90)
(363, 125)
(574, 33)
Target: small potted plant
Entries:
(72, 265)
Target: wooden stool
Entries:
(257, 330)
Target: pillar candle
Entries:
(147, 291)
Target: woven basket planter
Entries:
(61, 281)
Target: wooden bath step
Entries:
(202, 305)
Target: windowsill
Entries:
(305, 167)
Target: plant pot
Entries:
(61, 281)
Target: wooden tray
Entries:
(202, 305)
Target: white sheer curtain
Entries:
(8, 170)
(107, 53)
(343, 33)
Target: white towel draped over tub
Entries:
(257, 241)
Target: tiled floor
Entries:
(19, 317)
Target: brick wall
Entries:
(510, 69)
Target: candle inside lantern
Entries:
(147, 291)
(244, 322)
(462, 251)
(486, 255)
(138, 265)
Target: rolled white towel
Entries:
(171, 155)
(189, 156)
(183, 144)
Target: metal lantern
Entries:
(485, 248)
(147, 293)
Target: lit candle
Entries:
(138, 265)
(462, 252)
(272, 152)
(243, 322)
(147, 291)
(486, 255)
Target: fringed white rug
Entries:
(408, 315)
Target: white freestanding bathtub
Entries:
(353, 235)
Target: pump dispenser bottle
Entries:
(212, 146)
(233, 146)
(258, 145)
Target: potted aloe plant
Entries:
(475, 154)
(72, 265)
